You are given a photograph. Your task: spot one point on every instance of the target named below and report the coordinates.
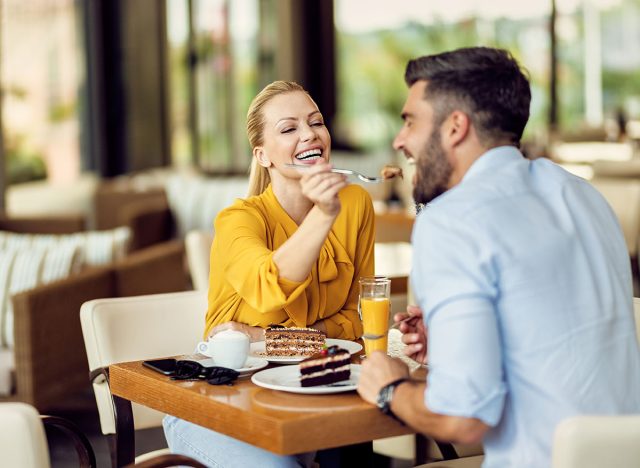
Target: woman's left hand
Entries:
(255, 333)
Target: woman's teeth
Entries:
(309, 155)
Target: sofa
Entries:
(50, 365)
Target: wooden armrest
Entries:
(86, 455)
(150, 221)
(43, 225)
(156, 269)
(162, 461)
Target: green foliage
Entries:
(22, 164)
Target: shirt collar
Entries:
(491, 159)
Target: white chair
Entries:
(23, 441)
(135, 328)
(198, 248)
(597, 441)
(624, 197)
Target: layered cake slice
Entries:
(328, 366)
(281, 341)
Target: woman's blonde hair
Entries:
(259, 176)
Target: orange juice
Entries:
(375, 345)
(375, 321)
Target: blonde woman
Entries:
(291, 253)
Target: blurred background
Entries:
(131, 113)
(113, 87)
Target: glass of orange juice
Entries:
(374, 307)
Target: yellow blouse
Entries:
(244, 285)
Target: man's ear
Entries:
(456, 128)
(261, 156)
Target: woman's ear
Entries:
(261, 156)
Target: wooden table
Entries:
(281, 422)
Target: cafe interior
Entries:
(123, 126)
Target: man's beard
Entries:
(433, 170)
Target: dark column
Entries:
(105, 111)
(126, 112)
(318, 55)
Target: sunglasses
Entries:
(192, 370)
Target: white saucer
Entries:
(252, 365)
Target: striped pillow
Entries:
(96, 247)
(25, 268)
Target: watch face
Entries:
(384, 398)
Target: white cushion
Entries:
(96, 247)
(195, 201)
(24, 268)
(23, 442)
(7, 366)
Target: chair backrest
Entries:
(198, 248)
(636, 312)
(134, 328)
(597, 441)
(624, 197)
(23, 441)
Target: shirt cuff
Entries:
(288, 287)
(448, 395)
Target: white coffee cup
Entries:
(228, 348)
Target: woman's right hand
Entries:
(321, 186)
(414, 333)
(254, 333)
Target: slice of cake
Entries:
(281, 341)
(328, 366)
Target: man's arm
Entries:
(408, 405)
(408, 402)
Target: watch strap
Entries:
(385, 396)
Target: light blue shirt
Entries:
(523, 276)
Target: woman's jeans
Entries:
(218, 450)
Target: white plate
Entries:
(252, 365)
(287, 379)
(257, 350)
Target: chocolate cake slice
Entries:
(328, 366)
(281, 341)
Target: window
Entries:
(42, 73)
(214, 62)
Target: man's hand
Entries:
(377, 371)
(414, 333)
(255, 333)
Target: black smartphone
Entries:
(164, 366)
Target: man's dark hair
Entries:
(487, 84)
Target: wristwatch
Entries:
(386, 395)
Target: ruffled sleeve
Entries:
(248, 262)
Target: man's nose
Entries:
(398, 142)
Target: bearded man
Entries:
(520, 271)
